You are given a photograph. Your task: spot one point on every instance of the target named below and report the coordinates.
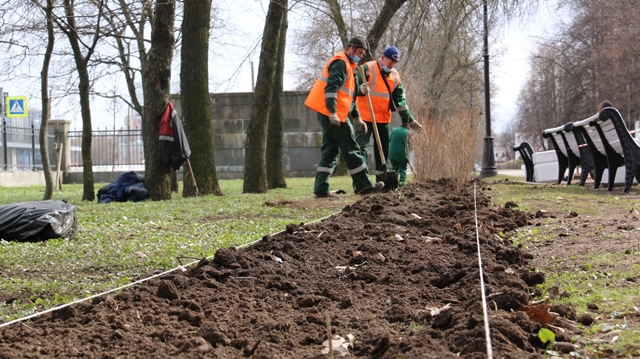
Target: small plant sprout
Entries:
(547, 336)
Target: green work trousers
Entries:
(363, 141)
(336, 140)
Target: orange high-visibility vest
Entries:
(380, 97)
(316, 98)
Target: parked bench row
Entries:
(599, 144)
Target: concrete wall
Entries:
(22, 178)
(231, 113)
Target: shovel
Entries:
(388, 177)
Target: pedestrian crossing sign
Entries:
(16, 106)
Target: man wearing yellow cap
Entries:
(387, 95)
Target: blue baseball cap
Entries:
(392, 53)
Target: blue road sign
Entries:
(16, 106)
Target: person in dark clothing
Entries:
(332, 97)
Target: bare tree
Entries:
(593, 57)
(275, 128)
(440, 43)
(255, 172)
(157, 76)
(196, 104)
(46, 102)
(85, 37)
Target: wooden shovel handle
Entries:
(373, 119)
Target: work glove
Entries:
(361, 125)
(364, 88)
(334, 121)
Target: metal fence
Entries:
(21, 148)
(108, 148)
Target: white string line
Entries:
(88, 298)
(133, 283)
(484, 297)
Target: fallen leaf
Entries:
(539, 311)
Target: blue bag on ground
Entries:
(37, 221)
(129, 186)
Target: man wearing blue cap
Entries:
(332, 98)
(382, 82)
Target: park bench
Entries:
(526, 153)
(572, 151)
(600, 144)
(624, 144)
(539, 166)
(605, 147)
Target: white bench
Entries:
(604, 145)
(612, 147)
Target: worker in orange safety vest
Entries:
(332, 97)
(382, 82)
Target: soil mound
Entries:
(394, 275)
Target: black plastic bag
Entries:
(37, 221)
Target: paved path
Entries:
(514, 173)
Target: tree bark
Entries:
(336, 15)
(157, 74)
(381, 24)
(84, 86)
(196, 104)
(275, 130)
(255, 173)
(46, 104)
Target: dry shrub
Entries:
(444, 148)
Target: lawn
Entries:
(118, 243)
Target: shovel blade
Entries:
(390, 179)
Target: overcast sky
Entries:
(510, 73)
(231, 71)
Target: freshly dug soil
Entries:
(397, 272)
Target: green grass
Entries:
(117, 243)
(596, 275)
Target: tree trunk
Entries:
(255, 173)
(84, 86)
(46, 104)
(381, 24)
(88, 193)
(336, 15)
(157, 74)
(196, 103)
(275, 154)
